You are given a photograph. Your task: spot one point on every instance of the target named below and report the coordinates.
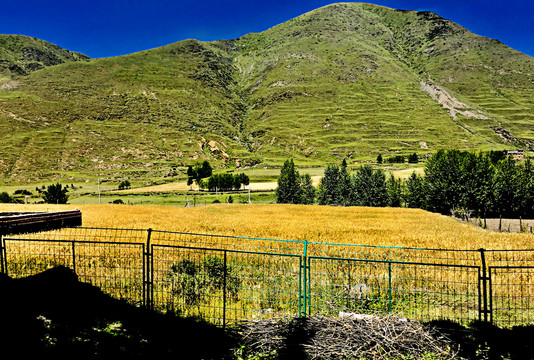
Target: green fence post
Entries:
(390, 290)
(304, 269)
(300, 286)
(225, 275)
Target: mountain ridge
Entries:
(348, 80)
(20, 55)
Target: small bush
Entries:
(5, 198)
(124, 185)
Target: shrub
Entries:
(125, 185)
(193, 281)
(396, 159)
(5, 198)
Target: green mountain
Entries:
(344, 81)
(21, 55)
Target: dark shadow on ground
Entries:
(482, 340)
(53, 315)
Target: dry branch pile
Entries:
(390, 337)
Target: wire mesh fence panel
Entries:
(497, 258)
(512, 295)
(237, 243)
(225, 286)
(118, 269)
(399, 254)
(24, 257)
(92, 234)
(416, 290)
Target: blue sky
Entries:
(117, 27)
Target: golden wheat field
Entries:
(267, 282)
(350, 225)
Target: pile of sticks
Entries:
(389, 337)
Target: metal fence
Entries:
(225, 279)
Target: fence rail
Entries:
(225, 279)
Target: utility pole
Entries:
(250, 202)
(99, 200)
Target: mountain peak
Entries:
(21, 55)
(346, 81)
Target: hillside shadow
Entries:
(54, 315)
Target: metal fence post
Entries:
(483, 281)
(2, 249)
(225, 274)
(305, 280)
(390, 290)
(149, 276)
(73, 257)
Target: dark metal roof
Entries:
(25, 222)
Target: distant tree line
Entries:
(459, 182)
(412, 159)
(484, 184)
(198, 172)
(294, 188)
(365, 187)
(222, 182)
(54, 194)
(226, 182)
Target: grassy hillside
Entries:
(347, 80)
(20, 55)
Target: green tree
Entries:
(288, 190)
(479, 181)
(396, 159)
(524, 190)
(394, 190)
(124, 185)
(370, 187)
(505, 187)
(55, 194)
(190, 175)
(330, 191)
(379, 159)
(205, 169)
(198, 172)
(415, 193)
(5, 198)
(345, 185)
(413, 159)
(307, 190)
(443, 177)
(240, 179)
